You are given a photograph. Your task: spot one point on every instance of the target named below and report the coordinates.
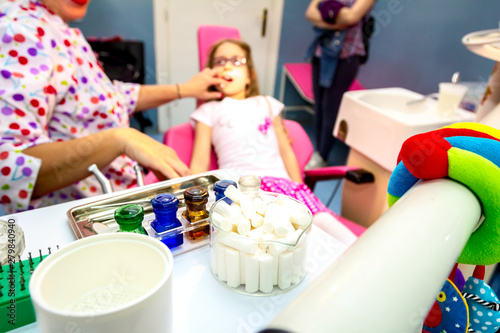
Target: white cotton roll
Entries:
(238, 242)
(275, 270)
(260, 206)
(294, 236)
(268, 199)
(222, 222)
(244, 227)
(282, 223)
(257, 222)
(221, 262)
(247, 207)
(255, 233)
(252, 273)
(272, 214)
(233, 193)
(284, 200)
(226, 210)
(232, 267)
(276, 248)
(223, 208)
(232, 213)
(298, 268)
(242, 267)
(239, 217)
(266, 273)
(285, 270)
(264, 240)
(300, 220)
(283, 244)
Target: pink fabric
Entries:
(295, 190)
(303, 194)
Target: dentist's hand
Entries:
(198, 86)
(151, 154)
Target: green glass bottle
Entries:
(129, 218)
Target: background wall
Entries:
(416, 44)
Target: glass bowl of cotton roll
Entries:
(258, 242)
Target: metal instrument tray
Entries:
(98, 216)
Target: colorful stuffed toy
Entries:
(470, 154)
(483, 303)
(458, 151)
(449, 312)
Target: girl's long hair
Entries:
(252, 89)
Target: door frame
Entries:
(162, 45)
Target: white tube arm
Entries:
(388, 280)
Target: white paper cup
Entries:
(450, 96)
(118, 282)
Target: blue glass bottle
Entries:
(220, 187)
(165, 210)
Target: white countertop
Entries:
(200, 304)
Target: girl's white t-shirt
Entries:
(243, 135)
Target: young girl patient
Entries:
(248, 136)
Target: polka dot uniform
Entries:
(295, 190)
(481, 318)
(53, 89)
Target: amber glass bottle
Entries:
(196, 214)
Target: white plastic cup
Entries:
(450, 96)
(120, 282)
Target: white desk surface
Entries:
(200, 304)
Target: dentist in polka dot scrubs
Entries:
(60, 113)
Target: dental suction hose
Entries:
(388, 280)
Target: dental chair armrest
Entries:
(360, 176)
(352, 173)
